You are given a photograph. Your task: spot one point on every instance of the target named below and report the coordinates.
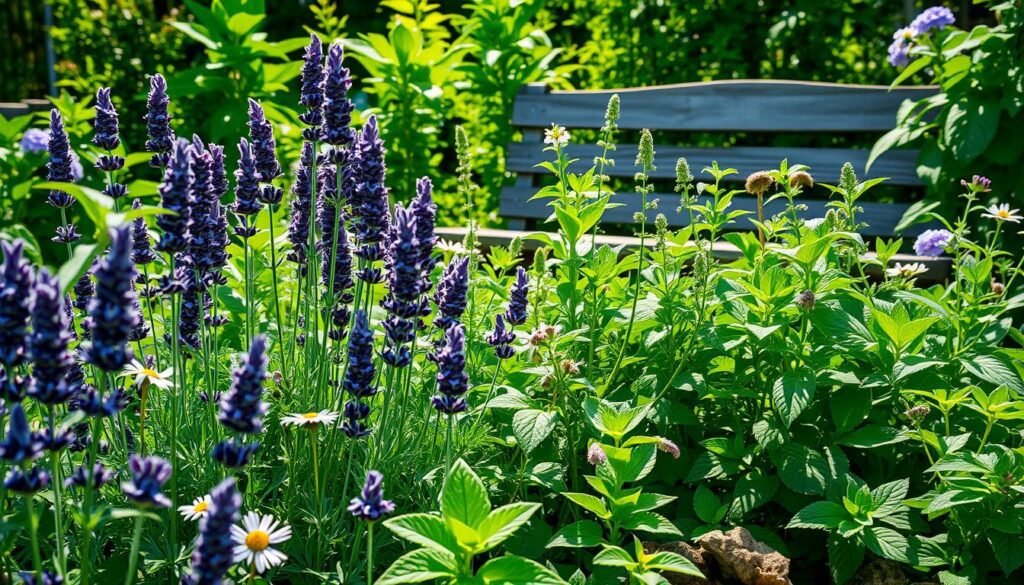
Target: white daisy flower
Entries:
(197, 509)
(453, 247)
(556, 136)
(1003, 212)
(254, 537)
(143, 374)
(906, 270)
(324, 417)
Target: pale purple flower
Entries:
(932, 242)
(936, 17)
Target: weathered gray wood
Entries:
(881, 218)
(938, 268)
(37, 104)
(744, 105)
(13, 109)
(897, 165)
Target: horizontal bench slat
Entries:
(825, 163)
(743, 105)
(938, 268)
(881, 218)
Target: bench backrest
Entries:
(754, 106)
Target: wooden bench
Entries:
(14, 109)
(749, 108)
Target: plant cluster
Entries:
(246, 368)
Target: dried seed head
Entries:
(546, 380)
(805, 300)
(918, 413)
(668, 447)
(997, 287)
(801, 179)
(570, 367)
(759, 182)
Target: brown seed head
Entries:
(759, 182)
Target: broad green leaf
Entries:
(582, 534)
(531, 427)
(503, 521)
(77, 265)
(589, 502)
(425, 530)
(793, 392)
(844, 558)
(652, 523)
(613, 556)
(1008, 550)
(888, 498)
(886, 543)
(970, 127)
(465, 497)
(706, 504)
(419, 566)
(871, 436)
(513, 570)
(673, 562)
(819, 515)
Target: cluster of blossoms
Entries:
(904, 39)
(501, 338)
(242, 407)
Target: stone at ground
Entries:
(738, 555)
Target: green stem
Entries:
(369, 553)
(277, 297)
(33, 530)
(58, 502)
(133, 556)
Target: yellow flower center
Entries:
(1004, 213)
(150, 373)
(310, 415)
(908, 34)
(257, 540)
(201, 507)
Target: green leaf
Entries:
(652, 523)
(888, 498)
(465, 497)
(418, 566)
(886, 543)
(706, 504)
(844, 558)
(793, 392)
(871, 436)
(613, 556)
(1008, 550)
(582, 534)
(76, 266)
(96, 205)
(970, 127)
(513, 570)
(819, 515)
(589, 502)
(802, 469)
(425, 530)
(531, 427)
(672, 562)
(503, 521)
(994, 369)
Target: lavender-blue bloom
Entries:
(899, 50)
(20, 444)
(13, 388)
(450, 295)
(66, 234)
(15, 302)
(62, 160)
(501, 339)
(337, 107)
(49, 578)
(142, 250)
(371, 505)
(34, 141)
(333, 242)
(302, 191)
(158, 122)
(27, 482)
(92, 402)
(452, 381)
(932, 242)
(112, 310)
(936, 17)
(425, 210)
(149, 474)
(80, 476)
(370, 198)
(203, 209)
(174, 195)
(48, 344)
(312, 93)
(247, 181)
(56, 439)
(517, 298)
(261, 134)
(214, 553)
(359, 376)
(242, 408)
(105, 123)
(234, 454)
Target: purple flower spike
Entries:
(371, 505)
(142, 250)
(261, 134)
(112, 310)
(932, 243)
(158, 122)
(452, 381)
(247, 181)
(15, 303)
(501, 339)
(370, 199)
(302, 189)
(242, 407)
(337, 107)
(149, 475)
(359, 376)
(312, 95)
(20, 444)
(48, 344)
(213, 555)
(105, 123)
(517, 301)
(27, 482)
(450, 295)
(425, 210)
(174, 194)
(62, 160)
(80, 476)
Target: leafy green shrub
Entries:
(970, 126)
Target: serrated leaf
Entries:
(531, 427)
(464, 497)
(792, 393)
(418, 566)
(819, 515)
(582, 534)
